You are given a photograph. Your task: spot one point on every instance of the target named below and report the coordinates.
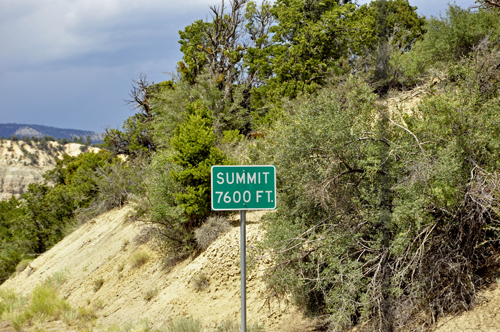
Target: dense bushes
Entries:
(327, 156)
(448, 39)
(456, 34)
(11, 251)
(379, 220)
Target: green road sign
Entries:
(243, 188)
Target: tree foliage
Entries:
(218, 46)
(457, 33)
(309, 40)
(395, 19)
(194, 150)
(136, 139)
(490, 4)
(184, 203)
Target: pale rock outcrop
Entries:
(22, 164)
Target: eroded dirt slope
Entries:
(484, 318)
(104, 249)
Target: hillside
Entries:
(39, 131)
(103, 251)
(22, 164)
(107, 290)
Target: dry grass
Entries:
(139, 259)
(150, 294)
(210, 231)
(98, 284)
(185, 325)
(22, 265)
(200, 281)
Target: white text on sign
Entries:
(251, 178)
(247, 196)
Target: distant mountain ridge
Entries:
(29, 130)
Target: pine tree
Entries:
(195, 152)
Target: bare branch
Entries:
(405, 129)
(493, 3)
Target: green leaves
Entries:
(44, 216)
(371, 206)
(194, 46)
(181, 179)
(194, 151)
(457, 33)
(395, 19)
(310, 40)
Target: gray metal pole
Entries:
(243, 272)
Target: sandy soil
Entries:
(104, 248)
(484, 318)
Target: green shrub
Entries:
(58, 279)
(9, 301)
(10, 255)
(46, 301)
(117, 183)
(325, 173)
(373, 214)
(448, 39)
(86, 314)
(457, 33)
(20, 320)
(164, 210)
(194, 150)
(403, 69)
(45, 305)
(70, 316)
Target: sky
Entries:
(71, 63)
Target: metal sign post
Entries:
(243, 254)
(243, 188)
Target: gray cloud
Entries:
(70, 63)
(38, 31)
